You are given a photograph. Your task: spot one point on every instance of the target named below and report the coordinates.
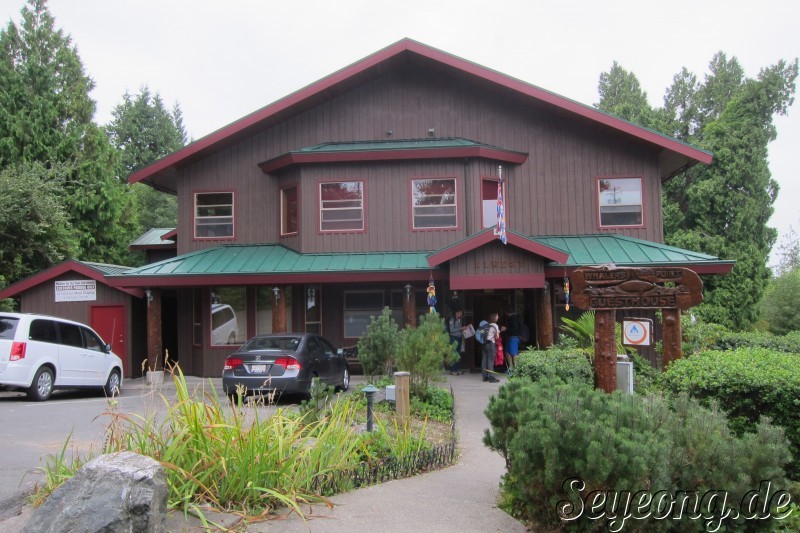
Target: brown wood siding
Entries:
(41, 300)
(552, 193)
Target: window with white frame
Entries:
(434, 203)
(359, 306)
(341, 206)
(620, 201)
(213, 214)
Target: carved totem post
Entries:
(606, 289)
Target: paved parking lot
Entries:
(31, 431)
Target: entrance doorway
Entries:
(483, 305)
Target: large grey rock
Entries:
(118, 492)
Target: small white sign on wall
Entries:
(76, 291)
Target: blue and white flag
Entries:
(500, 228)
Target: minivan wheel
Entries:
(112, 385)
(42, 385)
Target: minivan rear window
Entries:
(43, 331)
(8, 326)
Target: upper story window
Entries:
(289, 210)
(434, 203)
(341, 206)
(620, 201)
(213, 214)
(489, 203)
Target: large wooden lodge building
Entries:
(356, 192)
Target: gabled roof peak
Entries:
(374, 65)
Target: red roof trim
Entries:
(710, 268)
(53, 272)
(170, 235)
(294, 158)
(407, 45)
(487, 236)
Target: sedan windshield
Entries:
(272, 343)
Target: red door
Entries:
(109, 323)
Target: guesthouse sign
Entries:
(636, 288)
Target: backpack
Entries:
(482, 332)
(524, 333)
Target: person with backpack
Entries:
(512, 334)
(456, 332)
(489, 334)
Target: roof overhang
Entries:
(411, 149)
(675, 155)
(70, 265)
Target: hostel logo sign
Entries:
(635, 288)
(636, 332)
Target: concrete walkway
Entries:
(462, 498)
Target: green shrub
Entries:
(377, 347)
(435, 404)
(698, 335)
(550, 432)
(748, 383)
(424, 351)
(565, 364)
(789, 343)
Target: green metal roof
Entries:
(106, 269)
(152, 238)
(406, 144)
(622, 251)
(277, 259)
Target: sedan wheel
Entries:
(345, 380)
(42, 385)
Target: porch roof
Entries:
(601, 249)
(275, 263)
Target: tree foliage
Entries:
(721, 209)
(46, 117)
(779, 306)
(144, 130)
(34, 224)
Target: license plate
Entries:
(258, 369)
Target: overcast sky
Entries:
(224, 59)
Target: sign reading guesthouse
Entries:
(76, 290)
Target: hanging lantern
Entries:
(566, 292)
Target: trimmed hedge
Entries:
(789, 343)
(747, 383)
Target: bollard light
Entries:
(369, 392)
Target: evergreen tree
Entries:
(143, 130)
(46, 117)
(721, 209)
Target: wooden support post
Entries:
(154, 347)
(605, 350)
(672, 336)
(278, 310)
(402, 386)
(544, 316)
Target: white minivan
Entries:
(39, 353)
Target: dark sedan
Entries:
(285, 362)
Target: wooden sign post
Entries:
(606, 289)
